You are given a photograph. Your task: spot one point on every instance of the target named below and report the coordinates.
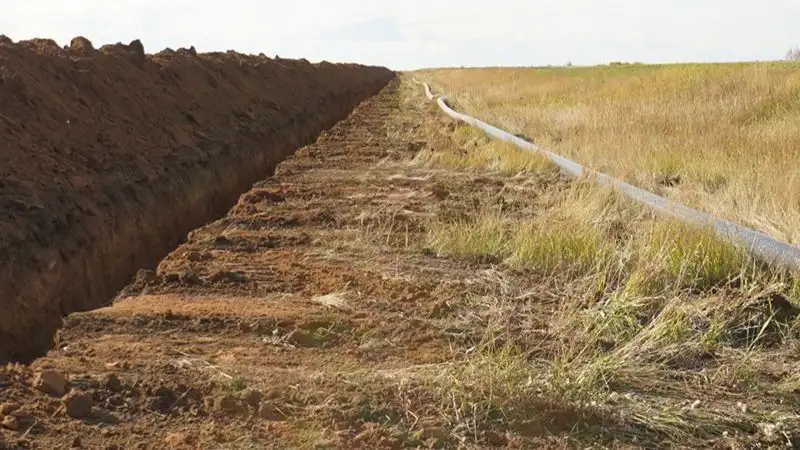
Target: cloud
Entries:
(377, 29)
(427, 33)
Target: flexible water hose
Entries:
(760, 245)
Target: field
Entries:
(400, 281)
(722, 138)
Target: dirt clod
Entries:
(268, 411)
(78, 404)
(51, 382)
(439, 192)
(8, 408)
(495, 439)
(190, 278)
(227, 276)
(228, 404)
(10, 423)
(113, 383)
(145, 277)
(137, 50)
(197, 256)
(303, 338)
(81, 45)
(252, 397)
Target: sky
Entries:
(413, 34)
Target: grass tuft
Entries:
(470, 149)
(560, 247)
(484, 237)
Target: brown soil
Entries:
(256, 333)
(109, 156)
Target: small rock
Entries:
(771, 430)
(112, 383)
(270, 412)
(695, 404)
(742, 407)
(51, 382)
(228, 404)
(252, 397)
(78, 404)
(7, 408)
(10, 422)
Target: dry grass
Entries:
(655, 333)
(476, 150)
(586, 322)
(722, 137)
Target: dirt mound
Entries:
(109, 157)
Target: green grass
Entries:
(485, 237)
(560, 247)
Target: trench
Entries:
(142, 229)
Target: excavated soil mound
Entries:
(109, 156)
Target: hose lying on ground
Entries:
(760, 245)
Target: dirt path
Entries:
(289, 323)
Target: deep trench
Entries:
(142, 238)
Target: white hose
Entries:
(758, 244)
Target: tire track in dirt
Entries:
(254, 333)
